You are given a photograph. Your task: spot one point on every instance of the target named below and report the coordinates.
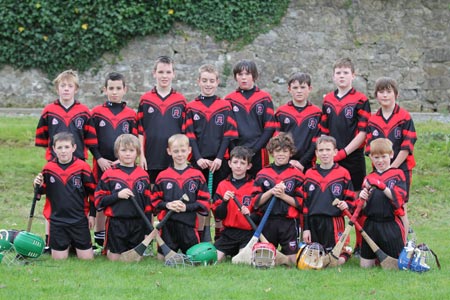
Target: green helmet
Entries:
(29, 244)
(4, 240)
(203, 253)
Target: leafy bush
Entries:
(56, 35)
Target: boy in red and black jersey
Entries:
(323, 222)
(161, 114)
(283, 181)
(180, 231)
(301, 118)
(384, 192)
(345, 112)
(68, 184)
(237, 231)
(66, 115)
(110, 120)
(125, 229)
(254, 114)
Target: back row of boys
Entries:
(214, 126)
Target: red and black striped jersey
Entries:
(254, 117)
(343, 118)
(111, 120)
(158, 119)
(270, 176)
(76, 119)
(68, 188)
(210, 128)
(171, 184)
(321, 187)
(228, 211)
(399, 129)
(303, 124)
(114, 180)
(379, 206)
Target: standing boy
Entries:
(345, 112)
(180, 231)
(283, 181)
(110, 120)
(161, 114)
(323, 222)
(254, 114)
(394, 123)
(237, 231)
(124, 227)
(67, 182)
(301, 118)
(384, 193)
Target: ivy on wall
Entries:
(59, 34)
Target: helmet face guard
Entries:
(414, 258)
(263, 255)
(203, 253)
(310, 257)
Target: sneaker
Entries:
(357, 252)
(47, 250)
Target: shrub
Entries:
(56, 35)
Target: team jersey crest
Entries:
(336, 189)
(219, 119)
(266, 183)
(312, 188)
(348, 112)
(312, 123)
(151, 110)
(55, 121)
(376, 133)
(259, 109)
(391, 184)
(76, 182)
(246, 200)
(79, 122)
(118, 186)
(328, 110)
(52, 179)
(289, 186)
(102, 123)
(287, 121)
(176, 113)
(398, 133)
(169, 186)
(192, 186)
(140, 187)
(126, 127)
(235, 108)
(196, 117)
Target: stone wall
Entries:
(406, 39)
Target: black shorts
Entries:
(326, 230)
(64, 235)
(284, 232)
(387, 235)
(123, 234)
(233, 239)
(355, 164)
(179, 236)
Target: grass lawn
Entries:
(429, 208)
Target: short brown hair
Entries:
(242, 152)
(326, 139)
(246, 65)
(127, 140)
(300, 78)
(283, 140)
(381, 146)
(386, 83)
(345, 62)
(163, 60)
(69, 75)
(63, 136)
(114, 76)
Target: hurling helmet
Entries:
(203, 253)
(263, 255)
(29, 244)
(310, 257)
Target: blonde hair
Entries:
(128, 141)
(208, 68)
(381, 146)
(178, 137)
(69, 75)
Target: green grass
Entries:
(44, 278)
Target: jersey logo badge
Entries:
(391, 184)
(79, 122)
(312, 123)
(52, 179)
(151, 110)
(55, 122)
(312, 188)
(336, 189)
(169, 186)
(192, 186)
(235, 108)
(398, 133)
(266, 183)
(328, 110)
(176, 113)
(219, 119)
(102, 123)
(246, 200)
(348, 112)
(289, 186)
(118, 186)
(259, 109)
(376, 133)
(293, 245)
(140, 187)
(287, 121)
(126, 127)
(76, 182)
(196, 117)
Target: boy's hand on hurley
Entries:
(38, 180)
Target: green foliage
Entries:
(56, 35)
